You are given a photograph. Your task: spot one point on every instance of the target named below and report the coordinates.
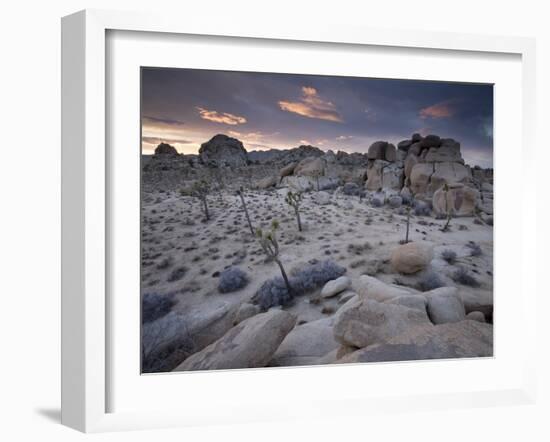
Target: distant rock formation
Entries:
(223, 151)
(418, 167)
(165, 149)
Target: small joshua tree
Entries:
(294, 200)
(317, 174)
(240, 192)
(447, 209)
(200, 190)
(270, 246)
(217, 177)
(408, 210)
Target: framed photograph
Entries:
(275, 221)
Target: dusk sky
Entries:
(186, 107)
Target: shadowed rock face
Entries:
(369, 322)
(459, 200)
(165, 149)
(454, 340)
(222, 151)
(249, 344)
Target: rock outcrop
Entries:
(411, 257)
(223, 151)
(249, 344)
(464, 339)
(165, 149)
(458, 200)
(369, 322)
(306, 344)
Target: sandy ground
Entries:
(183, 254)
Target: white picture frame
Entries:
(86, 202)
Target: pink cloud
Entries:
(220, 117)
(311, 105)
(438, 110)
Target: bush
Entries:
(475, 249)
(155, 306)
(359, 249)
(461, 276)
(351, 189)
(232, 279)
(165, 343)
(430, 281)
(315, 276)
(395, 201)
(376, 202)
(449, 256)
(177, 274)
(273, 292)
(422, 208)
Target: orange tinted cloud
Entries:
(220, 117)
(438, 110)
(311, 105)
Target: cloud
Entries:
(158, 140)
(220, 117)
(438, 110)
(161, 121)
(344, 137)
(311, 105)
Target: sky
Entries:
(187, 107)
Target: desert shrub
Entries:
(430, 281)
(475, 249)
(489, 221)
(232, 279)
(165, 263)
(376, 202)
(274, 292)
(406, 199)
(316, 275)
(351, 189)
(395, 201)
(461, 276)
(165, 343)
(155, 306)
(359, 249)
(177, 274)
(421, 208)
(449, 256)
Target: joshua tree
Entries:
(200, 190)
(217, 177)
(270, 246)
(316, 174)
(447, 209)
(240, 192)
(408, 209)
(294, 200)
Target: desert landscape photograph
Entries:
(301, 220)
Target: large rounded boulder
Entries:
(223, 151)
(411, 257)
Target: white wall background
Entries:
(30, 220)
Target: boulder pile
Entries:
(375, 322)
(429, 169)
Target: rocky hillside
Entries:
(429, 168)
